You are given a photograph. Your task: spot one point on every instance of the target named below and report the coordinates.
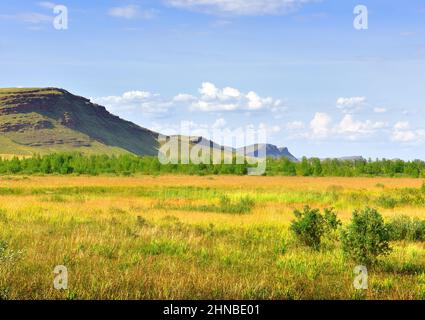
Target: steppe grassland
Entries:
(174, 237)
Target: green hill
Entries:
(51, 120)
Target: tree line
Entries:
(80, 164)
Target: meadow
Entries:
(196, 237)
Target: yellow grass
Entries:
(144, 238)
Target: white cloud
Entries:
(404, 136)
(213, 99)
(403, 133)
(350, 105)
(402, 125)
(182, 97)
(46, 4)
(131, 12)
(210, 99)
(275, 129)
(127, 12)
(380, 110)
(231, 92)
(209, 91)
(33, 18)
(239, 7)
(354, 128)
(142, 101)
(295, 125)
(219, 124)
(320, 125)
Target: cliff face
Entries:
(270, 150)
(49, 119)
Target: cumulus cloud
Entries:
(354, 128)
(350, 105)
(182, 97)
(142, 101)
(404, 136)
(402, 125)
(239, 7)
(320, 125)
(210, 99)
(219, 124)
(404, 133)
(215, 99)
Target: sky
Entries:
(303, 69)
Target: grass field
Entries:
(177, 237)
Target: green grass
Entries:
(223, 242)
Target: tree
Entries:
(366, 237)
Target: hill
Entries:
(53, 120)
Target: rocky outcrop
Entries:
(19, 127)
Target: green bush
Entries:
(310, 225)
(406, 228)
(366, 237)
(331, 220)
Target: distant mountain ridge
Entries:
(48, 120)
(270, 150)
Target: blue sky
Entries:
(300, 68)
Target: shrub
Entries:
(366, 237)
(406, 228)
(309, 226)
(331, 220)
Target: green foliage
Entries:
(406, 228)
(332, 222)
(310, 225)
(366, 237)
(346, 168)
(128, 164)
